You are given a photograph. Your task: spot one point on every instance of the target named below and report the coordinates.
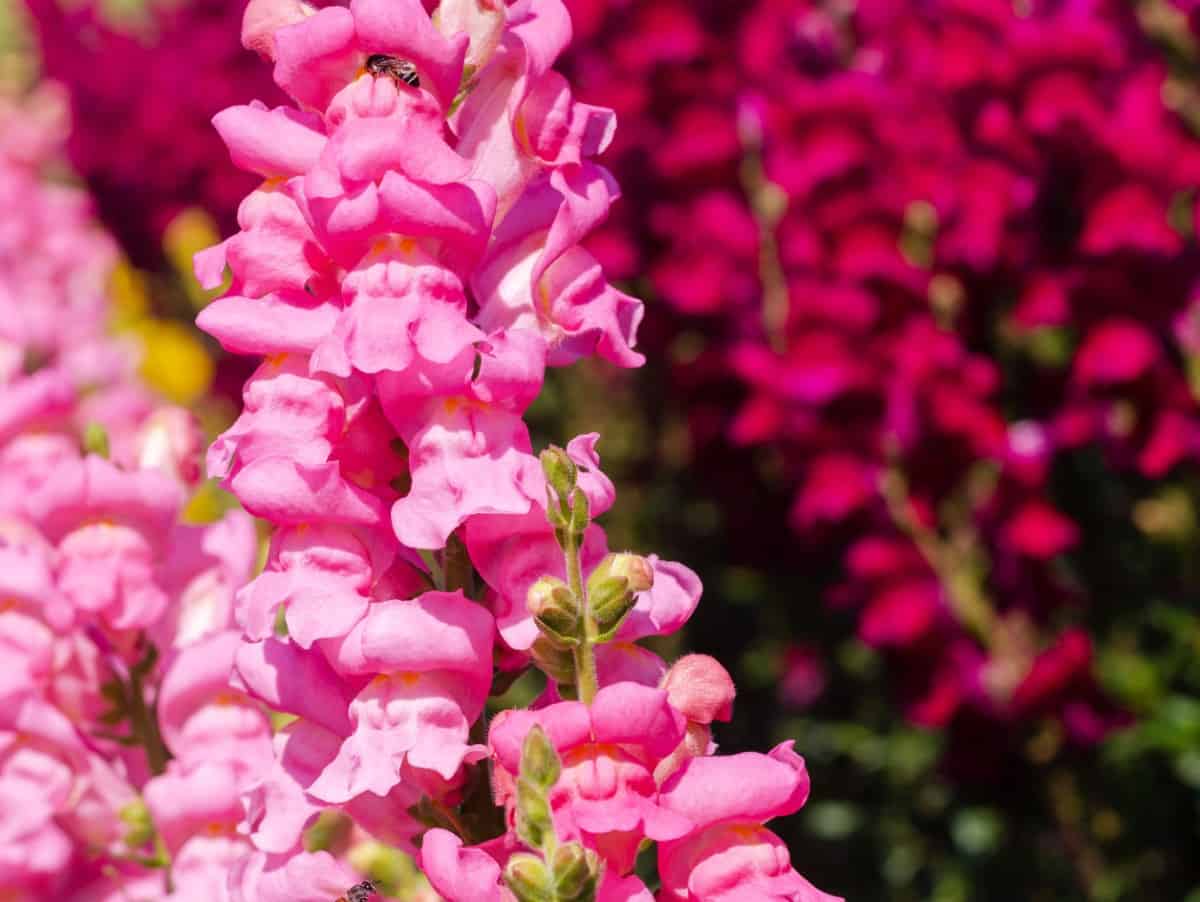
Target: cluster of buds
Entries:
(573, 616)
(553, 871)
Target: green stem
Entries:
(144, 724)
(586, 682)
(456, 563)
(768, 204)
(960, 580)
(143, 718)
(453, 820)
(163, 855)
(435, 569)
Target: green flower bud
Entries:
(95, 440)
(576, 873)
(555, 515)
(580, 512)
(528, 878)
(609, 613)
(635, 568)
(140, 826)
(534, 824)
(613, 588)
(553, 660)
(555, 609)
(561, 472)
(539, 760)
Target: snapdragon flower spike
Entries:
(407, 270)
(383, 388)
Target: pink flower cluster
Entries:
(104, 595)
(943, 247)
(407, 268)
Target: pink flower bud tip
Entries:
(700, 689)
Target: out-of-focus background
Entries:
(923, 319)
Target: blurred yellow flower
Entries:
(129, 293)
(191, 231)
(174, 360)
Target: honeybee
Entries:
(401, 70)
(360, 892)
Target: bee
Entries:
(360, 892)
(401, 70)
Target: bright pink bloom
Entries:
(728, 853)
(432, 660)
(607, 795)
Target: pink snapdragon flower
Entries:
(728, 854)
(607, 794)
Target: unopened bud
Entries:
(558, 519)
(95, 440)
(555, 609)
(580, 512)
(539, 760)
(534, 824)
(610, 607)
(576, 872)
(700, 689)
(634, 568)
(138, 823)
(528, 878)
(553, 660)
(613, 588)
(561, 472)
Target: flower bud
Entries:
(700, 689)
(609, 607)
(561, 472)
(634, 568)
(576, 872)
(534, 824)
(613, 588)
(95, 440)
(539, 760)
(553, 660)
(580, 512)
(140, 827)
(558, 519)
(528, 878)
(555, 609)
